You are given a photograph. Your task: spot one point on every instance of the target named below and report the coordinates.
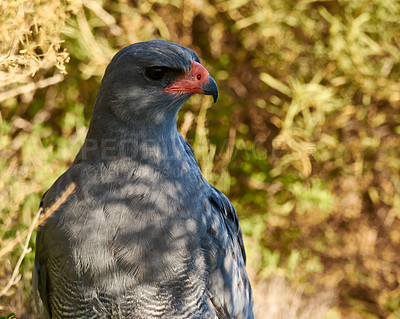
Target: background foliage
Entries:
(305, 138)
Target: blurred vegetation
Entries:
(305, 138)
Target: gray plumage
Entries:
(143, 235)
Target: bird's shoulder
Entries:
(223, 205)
(229, 287)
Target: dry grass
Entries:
(304, 137)
(30, 46)
(276, 299)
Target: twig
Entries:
(31, 87)
(97, 52)
(15, 277)
(227, 156)
(57, 203)
(35, 225)
(188, 119)
(103, 15)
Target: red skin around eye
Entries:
(191, 82)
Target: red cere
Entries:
(190, 82)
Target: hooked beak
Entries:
(210, 88)
(197, 80)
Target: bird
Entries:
(143, 234)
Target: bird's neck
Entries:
(137, 141)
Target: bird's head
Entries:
(149, 81)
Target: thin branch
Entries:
(31, 87)
(227, 156)
(57, 203)
(15, 277)
(188, 119)
(103, 15)
(35, 225)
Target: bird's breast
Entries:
(147, 227)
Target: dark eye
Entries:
(156, 73)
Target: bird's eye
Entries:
(156, 73)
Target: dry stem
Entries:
(31, 87)
(37, 221)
